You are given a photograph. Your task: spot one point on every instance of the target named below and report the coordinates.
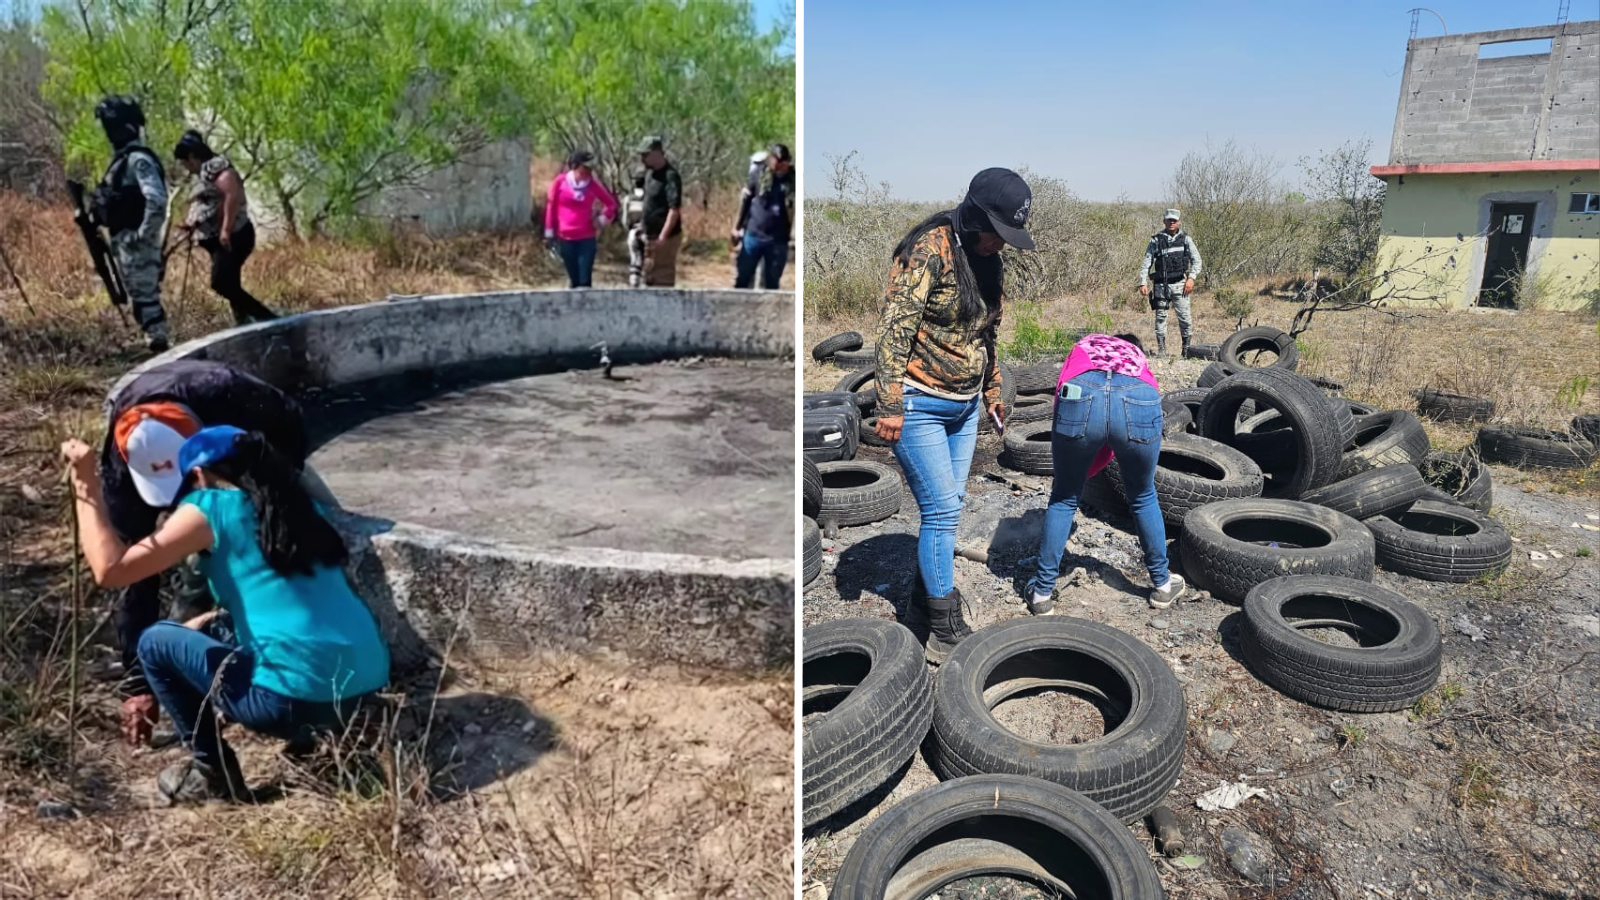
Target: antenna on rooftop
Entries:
(1417, 14)
(1564, 8)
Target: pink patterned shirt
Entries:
(1102, 352)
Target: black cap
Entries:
(579, 158)
(1006, 199)
(781, 151)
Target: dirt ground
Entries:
(558, 776)
(1486, 788)
(688, 456)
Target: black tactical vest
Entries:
(1172, 257)
(119, 203)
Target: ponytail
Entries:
(292, 534)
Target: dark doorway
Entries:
(1510, 230)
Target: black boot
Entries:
(946, 626)
(1161, 344)
(1185, 350)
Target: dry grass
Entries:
(1540, 367)
(620, 784)
(612, 807)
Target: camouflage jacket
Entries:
(922, 339)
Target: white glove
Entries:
(549, 234)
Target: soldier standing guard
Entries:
(131, 202)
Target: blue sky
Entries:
(1107, 96)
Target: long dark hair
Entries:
(294, 537)
(980, 280)
(193, 146)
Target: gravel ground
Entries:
(1485, 789)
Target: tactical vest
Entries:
(1172, 257)
(118, 202)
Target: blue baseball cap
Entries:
(207, 446)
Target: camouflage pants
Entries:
(1163, 296)
(139, 262)
(636, 242)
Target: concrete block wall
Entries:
(1455, 107)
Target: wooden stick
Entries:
(17, 281)
(72, 658)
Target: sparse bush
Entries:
(1351, 735)
(1238, 305)
(1349, 218)
(1231, 203)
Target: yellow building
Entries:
(1506, 234)
(1494, 172)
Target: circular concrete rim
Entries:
(429, 586)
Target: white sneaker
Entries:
(1167, 594)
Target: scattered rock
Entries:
(54, 809)
(530, 726)
(1160, 624)
(493, 873)
(1464, 625)
(473, 728)
(1589, 623)
(621, 684)
(1251, 856)
(32, 494)
(1220, 742)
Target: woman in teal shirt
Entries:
(307, 650)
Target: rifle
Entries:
(104, 265)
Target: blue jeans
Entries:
(935, 452)
(1121, 412)
(181, 664)
(579, 259)
(771, 255)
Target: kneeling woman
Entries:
(308, 649)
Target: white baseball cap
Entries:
(1171, 216)
(149, 437)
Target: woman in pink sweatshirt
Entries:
(1107, 401)
(569, 217)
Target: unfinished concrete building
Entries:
(1494, 171)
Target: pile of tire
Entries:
(1335, 484)
(1053, 814)
(847, 351)
(840, 490)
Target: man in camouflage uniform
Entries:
(1171, 264)
(633, 217)
(132, 203)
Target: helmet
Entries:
(121, 118)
